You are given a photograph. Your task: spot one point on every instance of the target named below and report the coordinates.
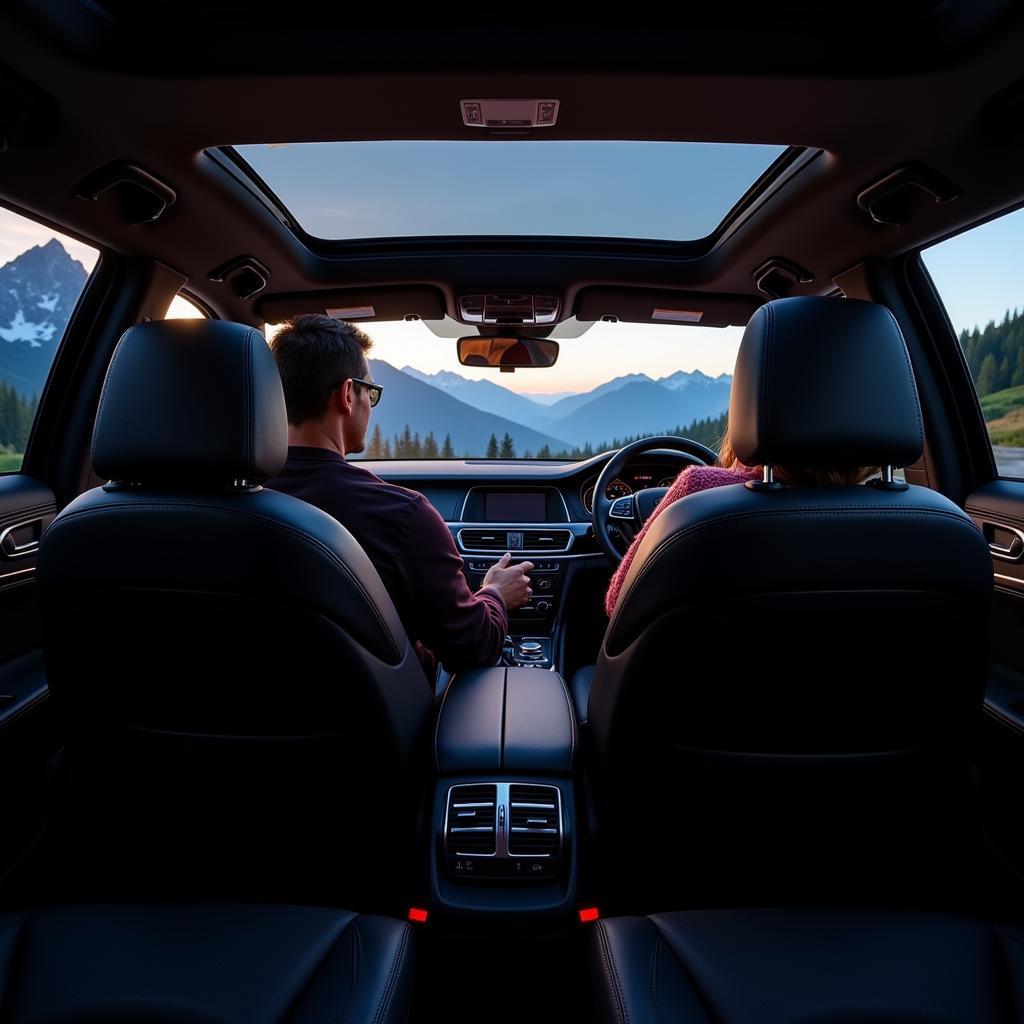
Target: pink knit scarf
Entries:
(689, 481)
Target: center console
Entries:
(504, 815)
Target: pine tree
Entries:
(447, 452)
(492, 447)
(376, 449)
(1018, 372)
(544, 453)
(415, 449)
(430, 446)
(508, 450)
(986, 382)
(386, 453)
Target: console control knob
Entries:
(543, 606)
(530, 649)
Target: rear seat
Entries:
(787, 966)
(204, 962)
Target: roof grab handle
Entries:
(892, 198)
(142, 197)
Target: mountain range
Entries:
(631, 404)
(38, 291)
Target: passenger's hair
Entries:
(313, 352)
(798, 474)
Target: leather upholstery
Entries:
(505, 719)
(824, 381)
(775, 668)
(249, 665)
(579, 687)
(196, 963)
(191, 401)
(794, 965)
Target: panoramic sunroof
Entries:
(675, 191)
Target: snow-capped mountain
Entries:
(38, 291)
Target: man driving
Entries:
(329, 396)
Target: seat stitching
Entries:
(304, 538)
(825, 511)
(356, 941)
(303, 989)
(612, 973)
(572, 723)
(687, 973)
(654, 977)
(397, 961)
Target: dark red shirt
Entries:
(410, 546)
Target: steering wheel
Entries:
(628, 514)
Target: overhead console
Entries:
(508, 308)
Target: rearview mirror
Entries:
(507, 354)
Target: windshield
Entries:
(616, 382)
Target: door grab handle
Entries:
(10, 548)
(1012, 552)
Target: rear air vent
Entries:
(470, 829)
(546, 540)
(534, 821)
(484, 540)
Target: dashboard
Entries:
(540, 511)
(474, 493)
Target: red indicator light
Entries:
(588, 914)
(418, 914)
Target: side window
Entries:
(42, 274)
(978, 275)
(184, 309)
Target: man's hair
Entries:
(313, 352)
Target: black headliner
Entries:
(873, 94)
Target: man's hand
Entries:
(510, 581)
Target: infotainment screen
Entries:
(514, 507)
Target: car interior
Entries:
(777, 783)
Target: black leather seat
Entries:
(252, 711)
(795, 672)
(192, 963)
(790, 966)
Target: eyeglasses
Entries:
(375, 390)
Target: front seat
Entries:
(793, 673)
(184, 963)
(244, 711)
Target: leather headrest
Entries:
(824, 382)
(191, 402)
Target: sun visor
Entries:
(657, 306)
(357, 304)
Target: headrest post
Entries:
(769, 474)
(887, 474)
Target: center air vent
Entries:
(546, 540)
(471, 821)
(502, 830)
(528, 541)
(534, 821)
(484, 540)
